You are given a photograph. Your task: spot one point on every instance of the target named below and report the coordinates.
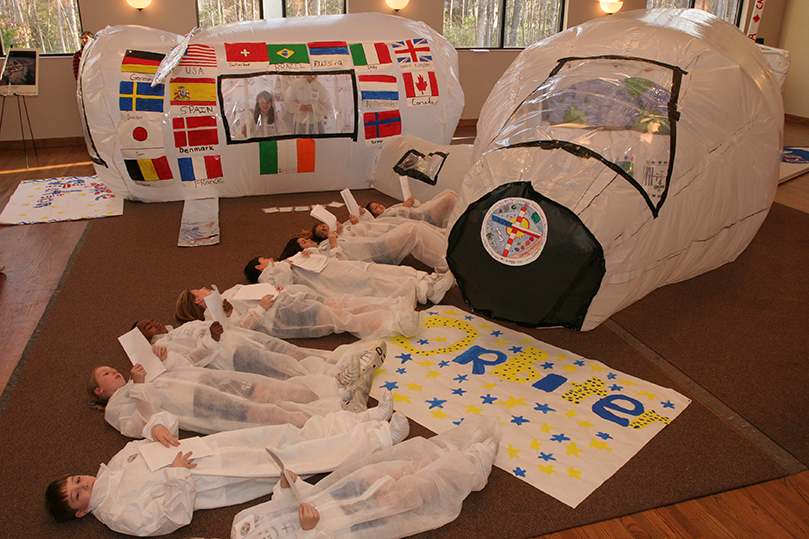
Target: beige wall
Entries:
(54, 112)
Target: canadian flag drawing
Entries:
(420, 85)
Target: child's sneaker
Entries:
(350, 373)
(440, 287)
(493, 443)
(358, 403)
(407, 323)
(374, 357)
(399, 427)
(385, 406)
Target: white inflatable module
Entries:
(633, 151)
(271, 106)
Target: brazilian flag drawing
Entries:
(288, 54)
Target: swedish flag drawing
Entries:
(141, 96)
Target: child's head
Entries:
(69, 497)
(256, 265)
(191, 305)
(375, 208)
(104, 381)
(296, 244)
(150, 327)
(320, 231)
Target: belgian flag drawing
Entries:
(141, 62)
(145, 170)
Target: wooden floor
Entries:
(36, 256)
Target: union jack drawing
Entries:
(412, 50)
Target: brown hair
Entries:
(92, 385)
(187, 309)
(56, 500)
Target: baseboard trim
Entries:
(466, 124)
(43, 143)
(796, 119)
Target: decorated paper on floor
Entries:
(60, 199)
(569, 422)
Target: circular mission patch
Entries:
(514, 231)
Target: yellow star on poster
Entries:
(599, 445)
(485, 326)
(27, 204)
(596, 367)
(398, 397)
(584, 424)
(439, 414)
(488, 386)
(414, 387)
(451, 312)
(512, 402)
(425, 363)
(573, 474)
(472, 409)
(651, 396)
(527, 341)
(500, 342)
(512, 452)
(573, 450)
(382, 371)
(571, 413)
(440, 339)
(627, 383)
(561, 357)
(547, 469)
(535, 444)
(546, 429)
(433, 374)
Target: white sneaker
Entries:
(440, 287)
(358, 403)
(350, 373)
(399, 427)
(374, 357)
(385, 406)
(492, 443)
(407, 323)
(364, 384)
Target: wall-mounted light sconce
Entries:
(396, 5)
(610, 7)
(139, 4)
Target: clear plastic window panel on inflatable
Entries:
(288, 105)
(619, 111)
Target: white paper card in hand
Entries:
(157, 456)
(256, 291)
(405, 187)
(139, 350)
(284, 470)
(214, 305)
(351, 204)
(312, 262)
(322, 214)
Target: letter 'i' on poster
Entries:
(285, 156)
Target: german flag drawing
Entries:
(141, 62)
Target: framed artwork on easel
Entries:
(20, 74)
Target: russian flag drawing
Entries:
(199, 167)
(327, 48)
(379, 87)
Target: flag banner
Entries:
(288, 56)
(412, 53)
(569, 423)
(149, 170)
(329, 54)
(379, 125)
(195, 131)
(200, 167)
(141, 62)
(140, 97)
(379, 90)
(421, 88)
(198, 56)
(140, 135)
(193, 91)
(287, 156)
(60, 199)
(370, 55)
(249, 55)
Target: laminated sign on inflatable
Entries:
(630, 152)
(270, 106)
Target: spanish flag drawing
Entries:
(193, 91)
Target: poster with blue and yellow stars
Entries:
(569, 422)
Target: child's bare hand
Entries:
(339, 227)
(278, 288)
(353, 219)
(308, 515)
(160, 351)
(285, 482)
(161, 434)
(228, 308)
(183, 461)
(409, 202)
(362, 211)
(266, 302)
(216, 330)
(138, 373)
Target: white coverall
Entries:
(303, 92)
(299, 312)
(435, 211)
(208, 401)
(417, 485)
(354, 277)
(131, 499)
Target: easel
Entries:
(22, 130)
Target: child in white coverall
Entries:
(415, 486)
(130, 498)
